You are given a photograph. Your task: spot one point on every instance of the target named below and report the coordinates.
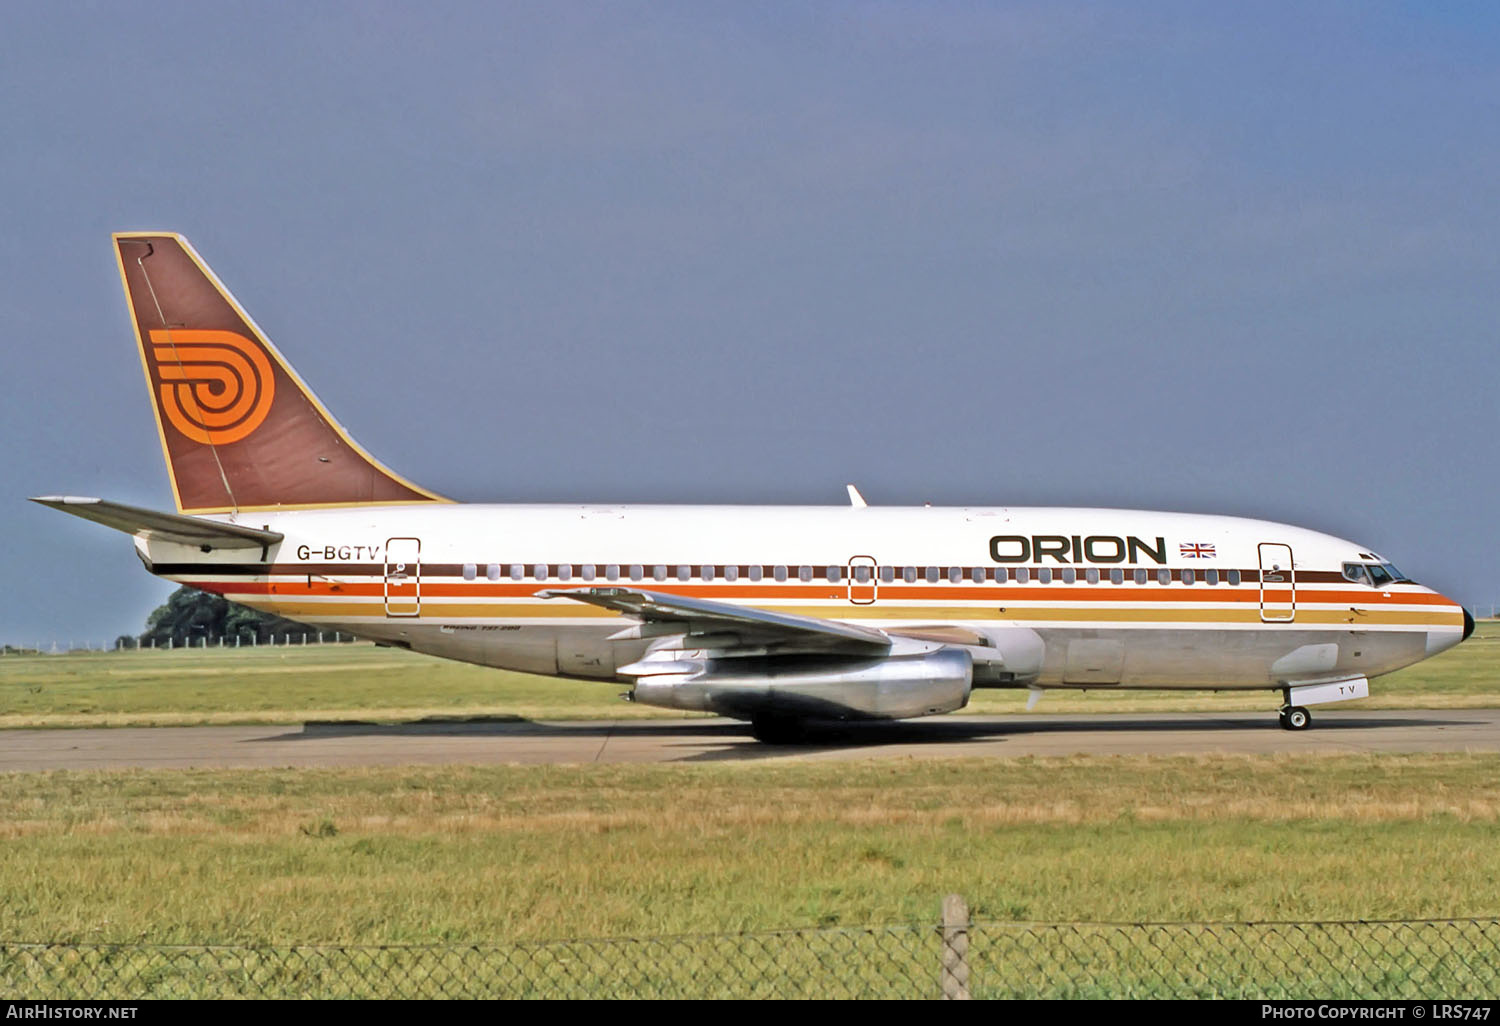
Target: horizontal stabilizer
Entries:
(172, 527)
(698, 615)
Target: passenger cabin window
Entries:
(637, 571)
(1117, 576)
(492, 571)
(587, 571)
(1069, 575)
(539, 571)
(659, 572)
(1163, 577)
(1044, 575)
(978, 575)
(1140, 575)
(932, 575)
(1234, 578)
(909, 574)
(565, 571)
(887, 574)
(731, 573)
(1000, 575)
(1092, 575)
(1187, 577)
(861, 574)
(612, 572)
(804, 574)
(779, 572)
(1210, 577)
(1023, 575)
(517, 571)
(684, 573)
(756, 572)
(955, 574)
(708, 573)
(834, 575)
(470, 571)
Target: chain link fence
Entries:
(1370, 960)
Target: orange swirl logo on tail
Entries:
(216, 386)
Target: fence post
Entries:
(955, 948)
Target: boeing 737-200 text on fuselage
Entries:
(777, 615)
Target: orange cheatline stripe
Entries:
(564, 610)
(994, 594)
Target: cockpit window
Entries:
(1376, 575)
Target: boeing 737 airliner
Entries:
(776, 615)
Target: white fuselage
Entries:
(1120, 598)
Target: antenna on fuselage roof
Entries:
(855, 499)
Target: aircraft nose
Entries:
(1468, 624)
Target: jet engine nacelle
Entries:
(1011, 657)
(815, 687)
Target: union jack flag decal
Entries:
(1196, 550)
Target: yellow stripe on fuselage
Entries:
(502, 611)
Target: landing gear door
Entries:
(862, 582)
(403, 577)
(1278, 583)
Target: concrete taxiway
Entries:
(702, 740)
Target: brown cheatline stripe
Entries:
(576, 611)
(987, 593)
(695, 571)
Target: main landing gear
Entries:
(1294, 717)
(778, 730)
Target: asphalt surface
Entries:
(702, 740)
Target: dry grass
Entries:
(405, 854)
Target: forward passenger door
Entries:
(1278, 583)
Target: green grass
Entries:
(402, 855)
(266, 685)
(280, 684)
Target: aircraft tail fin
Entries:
(239, 428)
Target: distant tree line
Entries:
(190, 616)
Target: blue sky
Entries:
(1216, 258)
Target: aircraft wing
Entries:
(172, 527)
(702, 616)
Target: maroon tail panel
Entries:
(239, 429)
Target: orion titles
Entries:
(1062, 548)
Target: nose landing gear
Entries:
(1294, 717)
